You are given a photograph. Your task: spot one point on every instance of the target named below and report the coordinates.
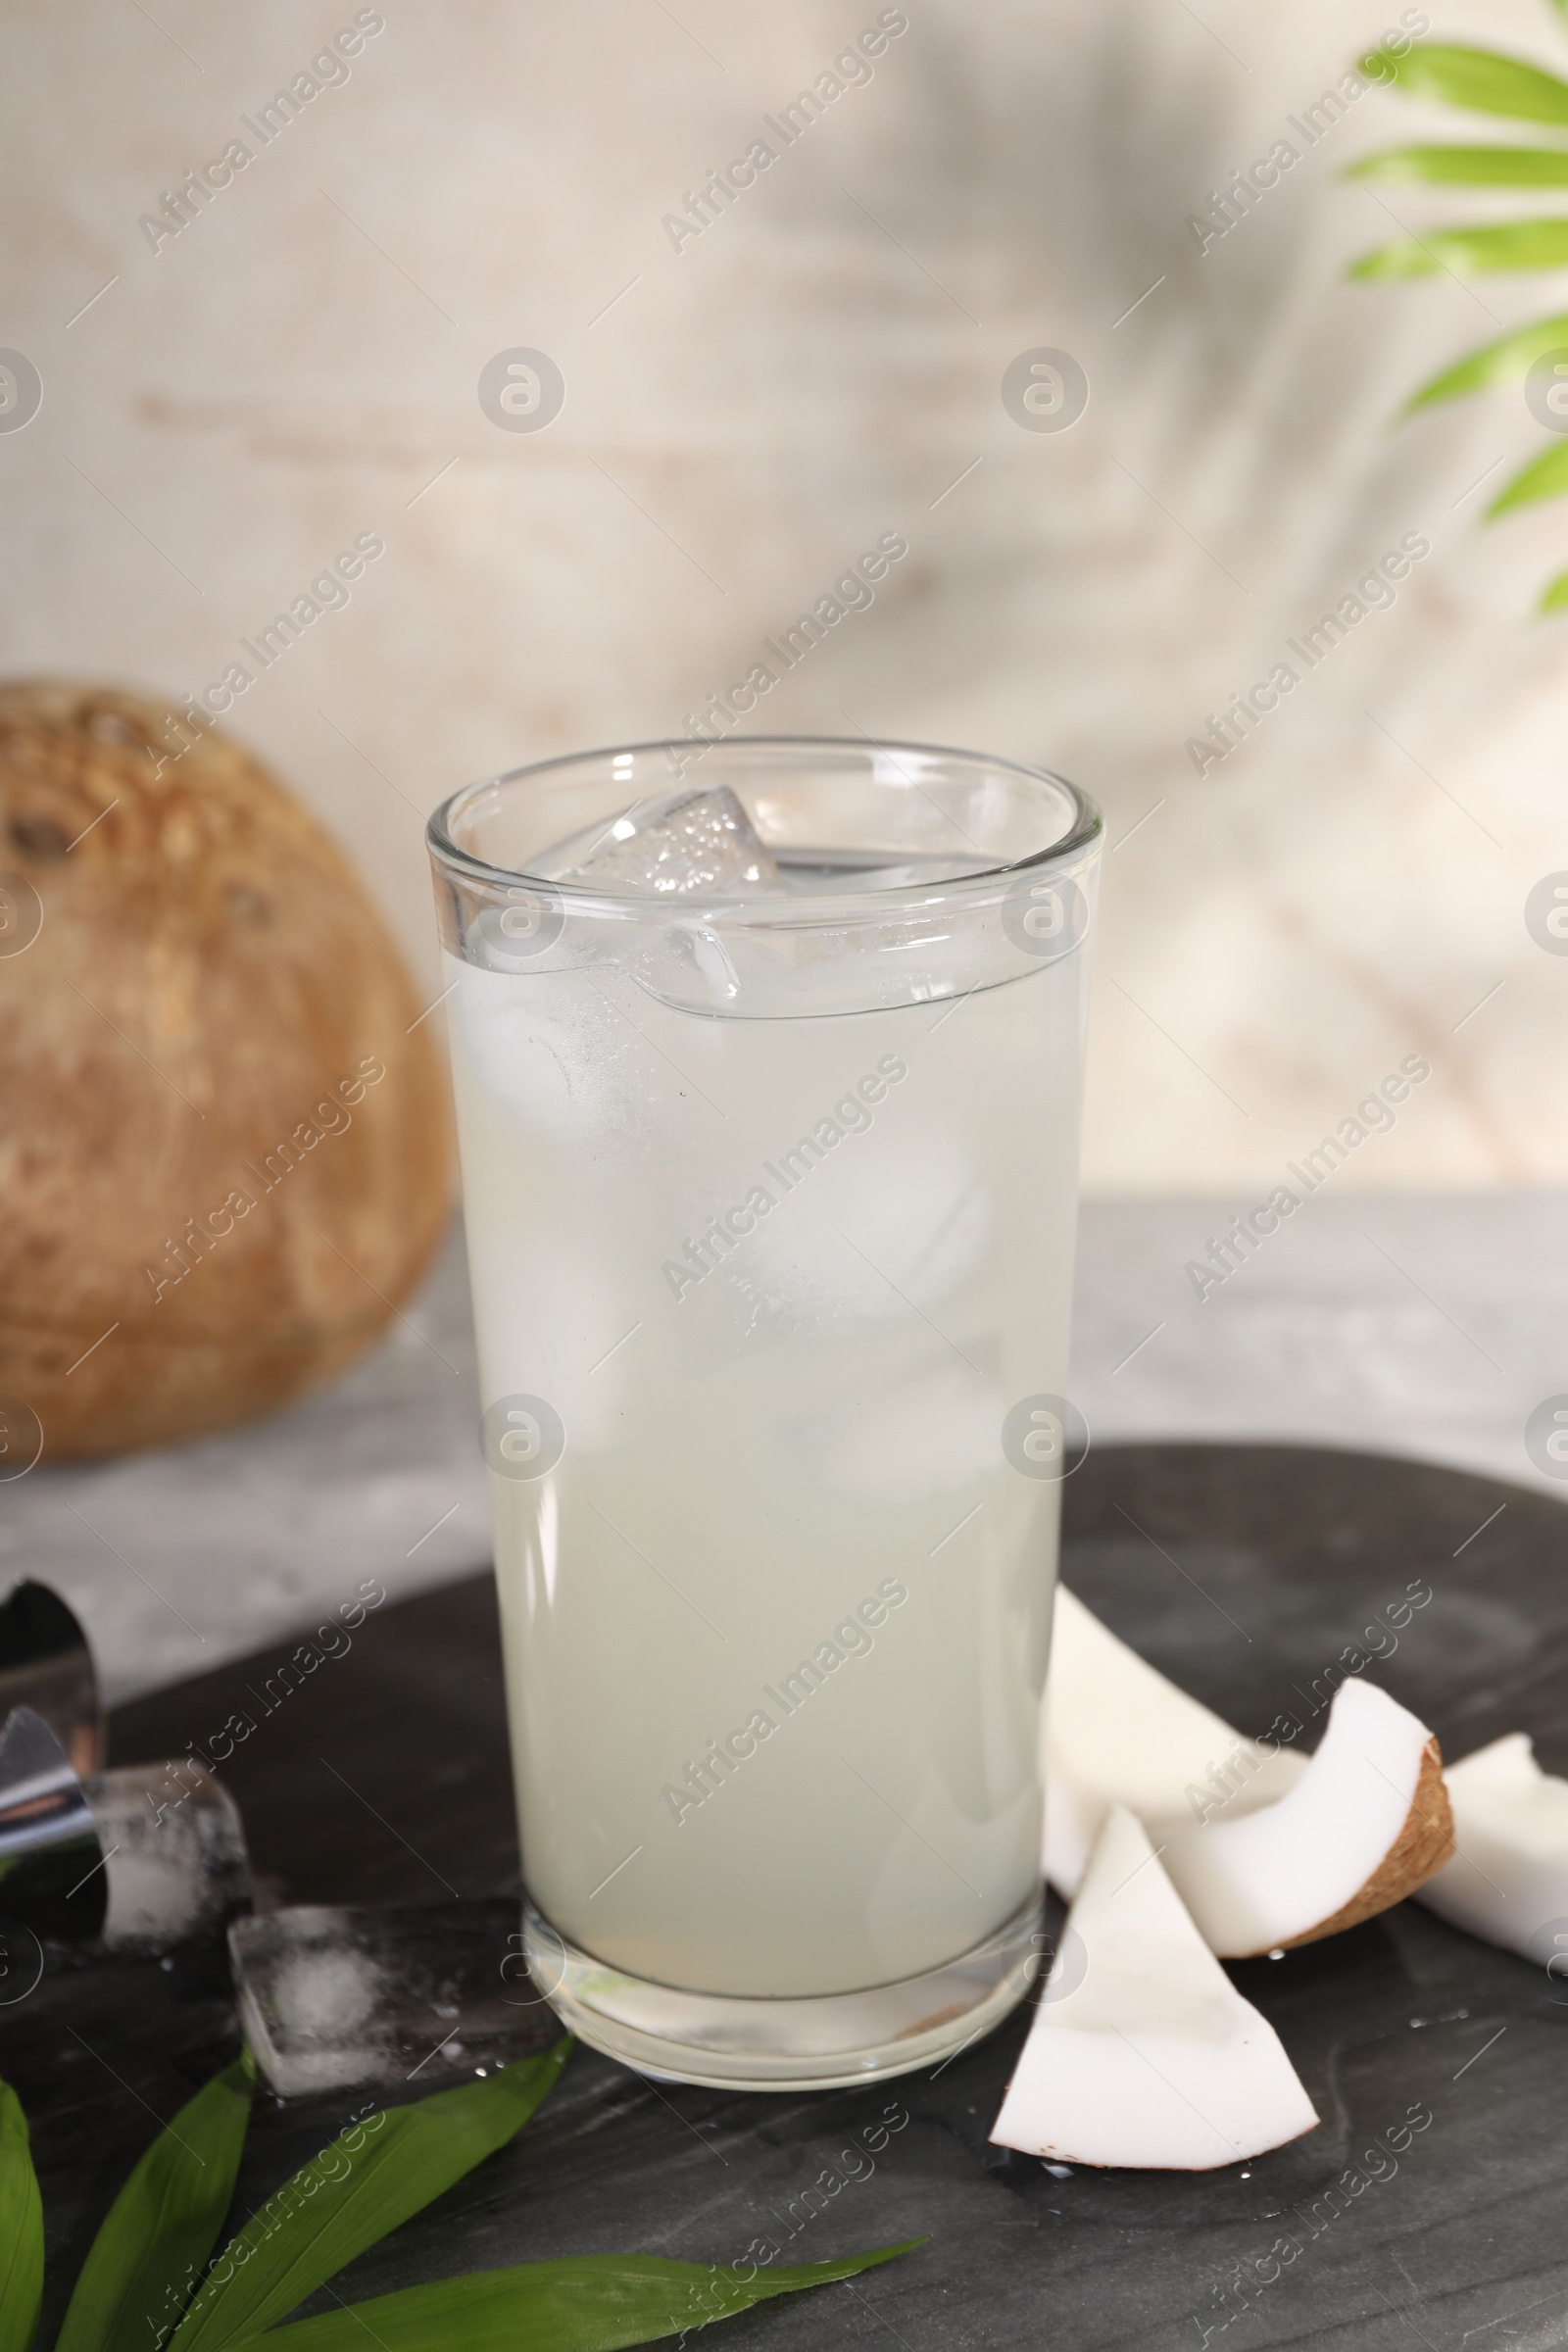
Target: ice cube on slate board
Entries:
(331, 1998)
(175, 1861)
(694, 840)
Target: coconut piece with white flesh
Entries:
(1367, 1822)
(1142, 2052)
(1116, 1732)
(1508, 1880)
(1301, 1850)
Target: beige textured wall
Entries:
(817, 367)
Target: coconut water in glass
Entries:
(768, 1061)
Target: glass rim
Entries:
(1084, 833)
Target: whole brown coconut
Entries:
(224, 1146)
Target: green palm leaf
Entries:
(1476, 78)
(164, 2224)
(592, 2303)
(1546, 476)
(371, 2179)
(1512, 245)
(1468, 167)
(21, 2230)
(1484, 83)
(1508, 361)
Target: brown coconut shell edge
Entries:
(1424, 1844)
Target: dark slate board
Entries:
(1243, 1571)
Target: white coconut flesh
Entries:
(1333, 1851)
(1142, 2052)
(1300, 1849)
(1508, 1879)
(1115, 1731)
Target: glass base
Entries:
(786, 2044)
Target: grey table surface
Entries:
(1423, 1325)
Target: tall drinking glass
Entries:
(768, 1058)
